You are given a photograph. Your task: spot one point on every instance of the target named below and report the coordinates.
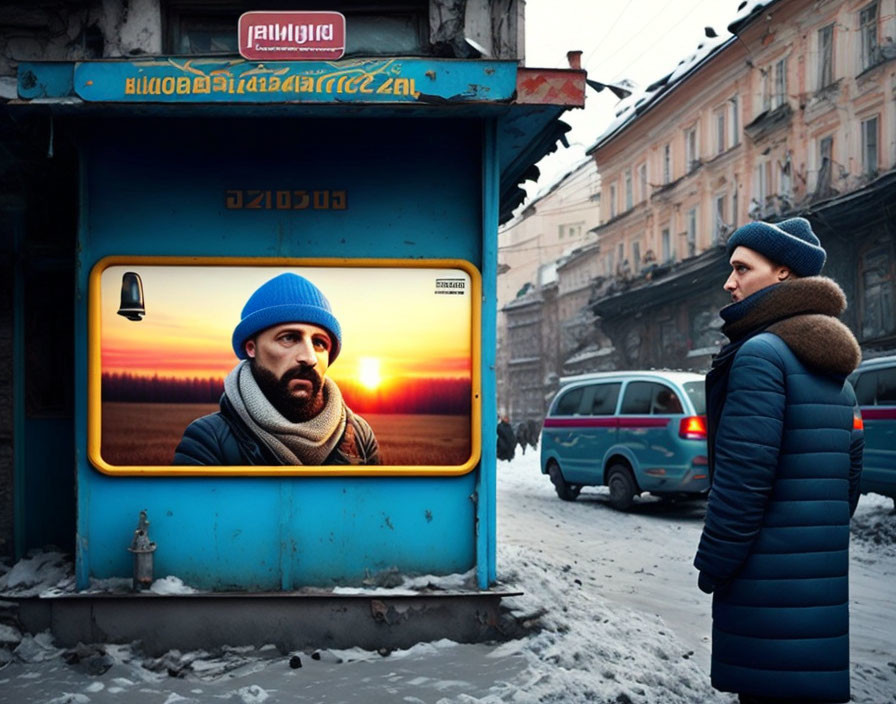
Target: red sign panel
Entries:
(292, 36)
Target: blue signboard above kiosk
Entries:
(238, 80)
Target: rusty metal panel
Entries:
(542, 86)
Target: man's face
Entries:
(289, 362)
(752, 272)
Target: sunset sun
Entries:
(369, 372)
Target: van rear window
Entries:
(696, 391)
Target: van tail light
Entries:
(693, 428)
(857, 422)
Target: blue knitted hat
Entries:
(288, 298)
(790, 243)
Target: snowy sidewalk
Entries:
(618, 619)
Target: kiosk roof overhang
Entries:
(525, 103)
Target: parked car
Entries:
(634, 431)
(875, 385)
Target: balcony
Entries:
(769, 122)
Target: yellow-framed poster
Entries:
(260, 366)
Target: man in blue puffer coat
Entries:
(785, 448)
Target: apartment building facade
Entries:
(544, 282)
(795, 115)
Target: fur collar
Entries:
(803, 312)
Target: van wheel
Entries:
(622, 487)
(567, 492)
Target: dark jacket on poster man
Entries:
(785, 461)
(223, 439)
(250, 429)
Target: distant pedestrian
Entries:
(527, 432)
(506, 439)
(785, 457)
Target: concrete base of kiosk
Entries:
(294, 621)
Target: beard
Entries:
(276, 390)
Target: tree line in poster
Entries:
(442, 395)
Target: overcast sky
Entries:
(639, 40)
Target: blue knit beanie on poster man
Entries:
(287, 298)
(790, 243)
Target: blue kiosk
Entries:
(383, 181)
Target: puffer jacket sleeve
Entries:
(202, 442)
(747, 447)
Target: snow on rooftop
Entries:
(704, 49)
(639, 100)
(747, 7)
(629, 107)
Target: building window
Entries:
(718, 225)
(636, 256)
(763, 185)
(766, 89)
(720, 130)
(868, 33)
(735, 120)
(642, 177)
(690, 149)
(612, 200)
(825, 56)
(780, 96)
(692, 232)
(825, 166)
(571, 230)
(734, 208)
(621, 253)
(629, 196)
(667, 163)
(869, 146)
(878, 302)
(786, 188)
(668, 252)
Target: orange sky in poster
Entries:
(392, 321)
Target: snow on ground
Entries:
(610, 605)
(642, 561)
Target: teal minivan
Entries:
(875, 385)
(633, 431)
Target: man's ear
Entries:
(784, 273)
(250, 347)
